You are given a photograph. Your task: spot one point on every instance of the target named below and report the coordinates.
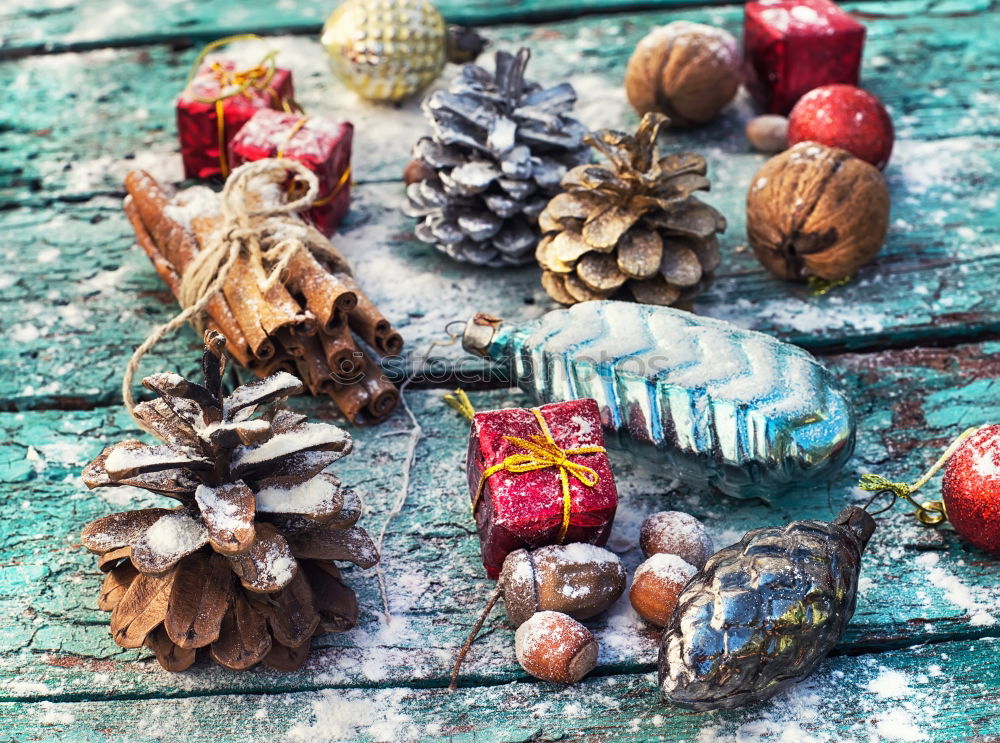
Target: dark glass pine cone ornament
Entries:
(631, 229)
(499, 148)
(763, 613)
(244, 565)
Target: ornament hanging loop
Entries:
(928, 513)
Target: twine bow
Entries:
(542, 452)
(242, 234)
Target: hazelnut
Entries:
(416, 171)
(768, 133)
(656, 585)
(555, 647)
(688, 71)
(815, 210)
(676, 533)
(580, 580)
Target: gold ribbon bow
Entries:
(541, 452)
(233, 83)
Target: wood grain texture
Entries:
(36, 26)
(31, 26)
(894, 696)
(77, 297)
(918, 585)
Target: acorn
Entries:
(580, 580)
(573, 580)
(676, 533)
(656, 585)
(555, 647)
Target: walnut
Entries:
(688, 71)
(818, 211)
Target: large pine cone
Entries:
(499, 149)
(244, 565)
(632, 230)
(763, 613)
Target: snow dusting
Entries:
(670, 568)
(174, 535)
(955, 591)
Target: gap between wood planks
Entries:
(469, 682)
(460, 375)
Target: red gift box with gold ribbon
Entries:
(321, 144)
(539, 476)
(793, 46)
(218, 100)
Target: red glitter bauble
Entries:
(971, 489)
(846, 117)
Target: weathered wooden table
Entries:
(88, 94)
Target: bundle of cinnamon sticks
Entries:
(304, 324)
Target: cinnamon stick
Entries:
(369, 401)
(314, 369)
(223, 321)
(352, 401)
(172, 243)
(366, 320)
(342, 355)
(327, 297)
(383, 396)
(265, 368)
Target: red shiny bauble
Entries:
(843, 116)
(971, 489)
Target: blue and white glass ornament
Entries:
(725, 407)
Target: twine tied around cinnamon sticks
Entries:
(267, 255)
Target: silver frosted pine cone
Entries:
(499, 147)
(763, 613)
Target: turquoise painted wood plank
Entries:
(940, 692)
(75, 290)
(917, 586)
(55, 25)
(32, 26)
(123, 100)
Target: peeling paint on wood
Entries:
(76, 297)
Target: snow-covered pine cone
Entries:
(500, 145)
(631, 228)
(244, 565)
(763, 613)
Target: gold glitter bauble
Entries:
(386, 50)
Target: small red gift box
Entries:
(219, 92)
(539, 476)
(322, 145)
(793, 46)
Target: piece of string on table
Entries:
(415, 433)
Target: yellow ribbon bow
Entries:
(233, 83)
(541, 452)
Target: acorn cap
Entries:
(578, 579)
(517, 581)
